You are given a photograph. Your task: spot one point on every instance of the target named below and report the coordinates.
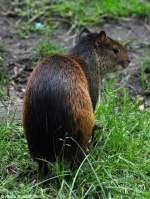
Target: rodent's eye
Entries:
(116, 50)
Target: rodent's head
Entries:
(111, 56)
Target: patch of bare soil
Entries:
(19, 53)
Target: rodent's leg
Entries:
(84, 145)
(81, 150)
(43, 168)
(85, 125)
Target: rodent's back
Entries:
(57, 105)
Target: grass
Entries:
(46, 48)
(75, 13)
(118, 164)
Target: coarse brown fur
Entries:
(61, 96)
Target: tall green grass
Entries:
(117, 165)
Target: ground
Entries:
(121, 165)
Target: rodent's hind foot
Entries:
(27, 173)
(43, 168)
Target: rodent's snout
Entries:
(126, 63)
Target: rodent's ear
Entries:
(84, 31)
(101, 38)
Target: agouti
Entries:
(61, 95)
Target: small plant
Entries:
(46, 48)
(3, 73)
(145, 70)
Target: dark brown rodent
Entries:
(61, 96)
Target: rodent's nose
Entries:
(128, 61)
